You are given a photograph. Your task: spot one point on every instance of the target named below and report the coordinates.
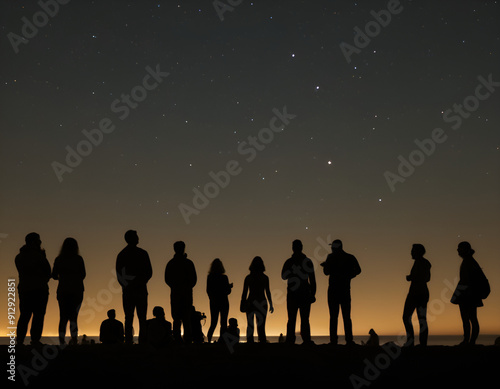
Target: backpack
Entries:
(483, 287)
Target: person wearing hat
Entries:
(472, 288)
(341, 267)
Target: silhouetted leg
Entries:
(474, 324)
(39, 309)
(128, 309)
(407, 314)
(346, 315)
(186, 322)
(305, 328)
(63, 317)
(73, 320)
(26, 311)
(422, 321)
(464, 314)
(142, 311)
(176, 311)
(250, 327)
(292, 308)
(224, 312)
(333, 306)
(261, 325)
(214, 318)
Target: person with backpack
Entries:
(472, 288)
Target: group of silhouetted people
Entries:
(134, 270)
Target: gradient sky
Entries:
(322, 177)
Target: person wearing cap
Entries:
(472, 288)
(341, 267)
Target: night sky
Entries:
(237, 136)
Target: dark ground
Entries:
(266, 365)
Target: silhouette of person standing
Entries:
(418, 296)
(301, 290)
(133, 269)
(69, 269)
(468, 292)
(255, 291)
(180, 276)
(218, 289)
(341, 267)
(33, 288)
(111, 330)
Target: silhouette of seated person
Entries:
(233, 331)
(111, 331)
(196, 327)
(159, 330)
(373, 340)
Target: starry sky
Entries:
(239, 128)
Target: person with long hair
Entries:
(468, 294)
(69, 269)
(218, 289)
(255, 297)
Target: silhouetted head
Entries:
(297, 246)
(69, 247)
(336, 246)
(158, 312)
(111, 313)
(257, 265)
(216, 267)
(465, 249)
(417, 251)
(131, 238)
(33, 240)
(233, 322)
(372, 332)
(179, 247)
